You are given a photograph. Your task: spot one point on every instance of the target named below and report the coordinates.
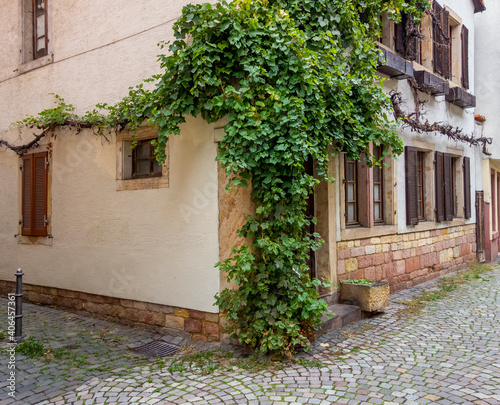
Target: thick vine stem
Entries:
(22, 149)
(415, 124)
(71, 123)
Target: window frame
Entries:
(35, 36)
(151, 159)
(354, 164)
(124, 179)
(378, 154)
(421, 215)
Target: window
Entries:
(40, 37)
(34, 31)
(420, 187)
(378, 187)
(144, 163)
(351, 176)
(137, 168)
(365, 194)
(34, 194)
(440, 43)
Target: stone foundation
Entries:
(197, 325)
(406, 260)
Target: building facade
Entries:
(488, 103)
(101, 228)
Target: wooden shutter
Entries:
(411, 185)
(445, 43)
(467, 193)
(26, 194)
(34, 195)
(439, 187)
(441, 40)
(448, 187)
(465, 57)
(437, 54)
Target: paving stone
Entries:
(447, 354)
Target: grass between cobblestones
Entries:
(446, 286)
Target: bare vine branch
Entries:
(413, 121)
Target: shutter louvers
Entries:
(439, 187)
(34, 195)
(40, 195)
(467, 192)
(411, 185)
(437, 39)
(26, 195)
(465, 57)
(445, 43)
(411, 38)
(448, 188)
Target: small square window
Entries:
(137, 168)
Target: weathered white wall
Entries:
(156, 245)
(486, 74)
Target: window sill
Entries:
(142, 184)
(393, 65)
(361, 233)
(432, 225)
(34, 240)
(35, 64)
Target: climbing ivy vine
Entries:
(296, 81)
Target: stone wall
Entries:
(197, 325)
(408, 259)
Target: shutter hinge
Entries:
(45, 220)
(46, 163)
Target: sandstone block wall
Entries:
(197, 325)
(409, 259)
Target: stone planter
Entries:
(369, 297)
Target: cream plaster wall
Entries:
(155, 245)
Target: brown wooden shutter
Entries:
(445, 43)
(411, 185)
(26, 194)
(439, 187)
(35, 176)
(465, 57)
(448, 188)
(437, 54)
(467, 193)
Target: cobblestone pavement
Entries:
(448, 354)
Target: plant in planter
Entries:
(369, 295)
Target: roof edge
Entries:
(479, 6)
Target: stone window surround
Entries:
(138, 184)
(26, 62)
(36, 240)
(389, 203)
(430, 196)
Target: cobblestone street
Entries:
(447, 354)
